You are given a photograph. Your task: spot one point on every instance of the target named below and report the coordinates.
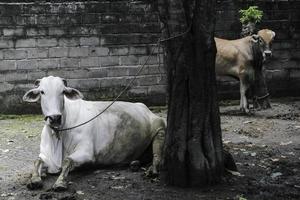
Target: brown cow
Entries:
(240, 58)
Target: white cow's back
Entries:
(119, 135)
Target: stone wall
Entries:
(98, 47)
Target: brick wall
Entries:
(99, 45)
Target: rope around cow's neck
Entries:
(57, 130)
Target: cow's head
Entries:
(267, 36)
(51, 90)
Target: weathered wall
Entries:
(99, 45)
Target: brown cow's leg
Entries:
(61, 183)
(35, 181)
(243, 102)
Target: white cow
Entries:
(121, 134)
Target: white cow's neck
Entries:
(70, 113)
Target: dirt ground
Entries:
(265, 146)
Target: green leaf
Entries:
(252, 14)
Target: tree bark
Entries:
(248, 29)
(193, 147)
(261, 95)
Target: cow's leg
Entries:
(157, 150)
(80, 156)
(243, 102)
(35, 181)
(157, 147)
(61, 183)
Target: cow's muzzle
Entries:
(268, 53)
(54, 120)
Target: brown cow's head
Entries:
(268, 37)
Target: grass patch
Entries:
(15, 125)
(22, 117)
(229, 102)
(157, 109)
(3, 168)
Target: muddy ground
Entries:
(265, 146)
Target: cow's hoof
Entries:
(35, 183)
(135, 166)
(245, 110)
(60, 186)
(151, 172)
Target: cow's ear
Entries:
(37, 83)
(72, 93)
(32, 95)
(273, 33)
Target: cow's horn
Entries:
(255, 38)
(37, 82)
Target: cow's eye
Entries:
(42, 92)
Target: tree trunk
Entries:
(193, 147)
(261, 95)
(248, 29)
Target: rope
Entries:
(56, 130)
(115, 99)
(176, 36)
(262, 97)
